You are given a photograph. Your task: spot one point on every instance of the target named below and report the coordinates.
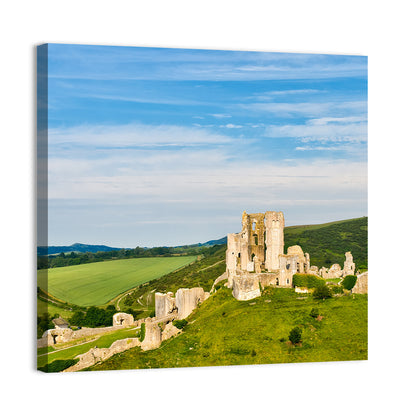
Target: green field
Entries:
(225, 331)
(95, 284)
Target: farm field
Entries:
(95, 284)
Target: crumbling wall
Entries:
(246, 287)
(188, 299)
(164, 304)
(334, 272)
(275, 224)
(123, 319)
(95, 355)
(55, 336)
(170, 331)
(361, 285)
(153, 336)
(349, 265)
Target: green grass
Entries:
(65, 354)
(327, 243)
(97, 283)
(224, 331)
(53, 309)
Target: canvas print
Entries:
(199, 208)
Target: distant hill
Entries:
(327, 243)
(215, 242)
(91, 248)
(77, 247)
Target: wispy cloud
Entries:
(270, 95)
(351, 129)
(308, 109)
(134, 135)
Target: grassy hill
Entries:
(201, 273)
(224, 331)
(327, 243)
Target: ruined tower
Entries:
(255, 257)
(275, 224)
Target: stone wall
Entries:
(188, 299)
(123, 319)
(349, 265)
(153, 336)
(164, 304)
(334, 272)
(361, 286)
(95, 355)
(61, 335)
(246, 287)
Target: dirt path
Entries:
(212, 265)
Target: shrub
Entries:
(295, 335)
(307, 280)
(336, 289)
(349, 281)
(314, 313)
(322, 292)
(142, 331)
(180, 323)
(57, 366)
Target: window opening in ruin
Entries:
(287, 266)
(256, 239)
(297, 267)
(239, 255)
(287, 281)
(54, 338)
(277, 282)
(121, 321)
(254, 225)
(252, 257)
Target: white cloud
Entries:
(270, 95)
(310, 109)
(137, 135)
(231, 126)
(220, 115)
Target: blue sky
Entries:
(152, 146)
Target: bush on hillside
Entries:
(349, 281)
(307, 280)
(94, 317)
(180, 323)
(322, 292)
(314, 313)
(57, 366)
(142, 331)
(295, 335)
(336, 289)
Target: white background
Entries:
(382, 30)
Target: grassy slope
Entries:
(224, 331)
(97, 283)
(327, 243)
(201, 273)
(64, 353)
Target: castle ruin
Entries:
(255, 257)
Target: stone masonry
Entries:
(258, 250)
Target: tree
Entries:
(295, 335)
(322, 292)
(349, 281)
